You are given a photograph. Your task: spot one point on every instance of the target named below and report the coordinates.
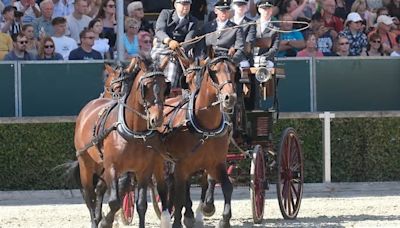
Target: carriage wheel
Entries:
(290, 174)
(155, 199)
(257, 190)
(128, 207)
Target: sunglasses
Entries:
(376, 41)
(111, 6)
(147, 41)
(48, 46)
(345, 43)
(23, 42)
(90, 37)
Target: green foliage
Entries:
(363, 149)
(29, 152)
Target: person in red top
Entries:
(331, 21)
(388, 38)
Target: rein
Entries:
(198, 38)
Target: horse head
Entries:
(221, 70)
(111, 88)
(150, 88)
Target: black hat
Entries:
(266, 3)
(223, 5)
(240, 2)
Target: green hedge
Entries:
(363, 149)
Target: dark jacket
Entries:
(224, 39)
(168, 25)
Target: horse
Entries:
(196, 134)
(113, 137)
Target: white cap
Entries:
(353, 17)
(385, 20)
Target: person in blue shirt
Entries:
(85, 51)
(290, 42)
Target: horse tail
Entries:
(71, 174)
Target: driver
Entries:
(173, 27)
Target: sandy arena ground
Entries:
(333, 205)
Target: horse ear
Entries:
(131, 66)
(211, 53)
(143, 66)
(108, 69)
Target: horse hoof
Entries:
(224, 224)
(165, 219)
(104, 224)
(177, 225)
(189, 222)
(208, 210)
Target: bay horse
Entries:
(196, 135)
(113, 137)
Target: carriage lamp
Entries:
(263, 74)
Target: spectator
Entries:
(100, 44)
(33, 45)
(30, 10)
(382, 11)
(19, 49)
(145, 44)
(297, 11)
(6, 44)
(77, 21)
(341, 10)
(135, 10)
(131, 40)
(63, 44)
(324, 35)
(311, 49)
(388, 38)
(342, 46)
(42, 25)
(331, 21)
(374, 46)
(394, 8)
(47, 50)
(396, 49)
(10, 24)
(93, 7)
(373, 5)
(290, 42)
(360, 7)
(63, 8)
(107, 15)
(85, 51)
(357, 39)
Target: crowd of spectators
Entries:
(86, 29)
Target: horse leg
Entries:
(204, 186)
(179, 196)
(208, 206)
(100, 190)
(162, 188)
(188, 219)
(114, 201)
(141, 203)
(227, 190)
(88, 192)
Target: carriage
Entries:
(252, 143)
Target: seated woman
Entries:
(374, 47)
(130, 38)
(47, 50)
(311, 49)
(101, 44)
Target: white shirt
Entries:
(64, 45)
(29, 15)
(264, 24)
(237, 20)
(221, 25)
(102, 46)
